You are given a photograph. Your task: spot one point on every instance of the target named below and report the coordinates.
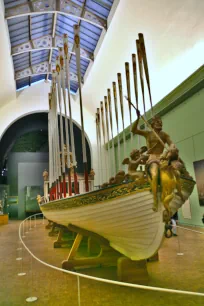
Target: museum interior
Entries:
(102, 152)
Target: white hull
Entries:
(129, 223)
(122, 214)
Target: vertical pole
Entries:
(116, 117)
(111, 126)
(122, 111)
(77, 49)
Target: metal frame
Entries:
(61, 13)
(89, 41)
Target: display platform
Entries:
(3, 219)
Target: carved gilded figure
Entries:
(136, 158)
(45, 175)
(155, 150)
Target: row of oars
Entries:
(58, 144)
(106, 126)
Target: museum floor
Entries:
(56, 288)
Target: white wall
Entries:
(174, 39)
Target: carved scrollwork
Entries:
(23, 73)
(43, 42)
(99, 196)
(18, 9)
(23, 47)
(70, 7)
(41, 68)
(90, 16)
(73, 77)
(44, 5)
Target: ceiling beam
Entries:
(49, 48)
(74, 79)
(61, 13)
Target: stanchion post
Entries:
(31, 298)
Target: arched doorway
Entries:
(24, 154)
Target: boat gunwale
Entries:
(145, 187)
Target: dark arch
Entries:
(32, 123)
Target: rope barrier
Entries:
(103, 280)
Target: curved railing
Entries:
(79, 275)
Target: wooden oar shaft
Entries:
(111, 125)
(100, 146)
(139, 55)
(144, 56)
(77, 49)
(107, 131)
(134, 66)
(149, 126)
(122, 110)
(116, 116)
(104, 135)
(66, 53)
(127, 73)
(98, 149)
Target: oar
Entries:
(111, 125)
(139, 55)
(97, 139)
(104, 138)
(50, 147)
(77, 50)
(61, 123)
(134, 67)
(108, 135)
(144, 56)
(116, 117)
(66, 53)
(122, 111)
(100, 144)
(127, 74)
(56, 142)
(61, 54)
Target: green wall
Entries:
(182, 112)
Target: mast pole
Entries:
(77, 50)
(66, 53)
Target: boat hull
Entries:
(122, 214)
